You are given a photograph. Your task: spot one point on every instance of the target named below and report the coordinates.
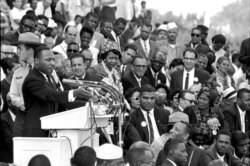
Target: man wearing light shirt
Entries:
(70, 36)
(238, 113)
(149, 121)
(184, 79)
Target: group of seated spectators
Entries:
(185, 103)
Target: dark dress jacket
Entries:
(161, 119)
(161, 78)
(40, 100)
(232, 117)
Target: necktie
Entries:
(155, 79)
(242, 118)
(51, 81)
(151, 130)
(123, 69)
(139, 82)
(145, 49)
(187, 81)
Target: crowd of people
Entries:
(187, 104)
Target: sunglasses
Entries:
(161, 94)
(29, 27)
(195, 35)
(134, 98)
(72, 51)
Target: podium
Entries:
(70, 129)
(77, 125)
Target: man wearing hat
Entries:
(26, 45)
(175, 50)
(109, 155)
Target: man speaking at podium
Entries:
(41, 96)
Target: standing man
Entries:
(176, 153)
(238, 113)
(184, 79)
(174, 49)
(146, 47)
(204, 33)
(154, 74)
(129, 53)
(220, 149)
(135, 78)
(118, 28)
(27, 24)
(40, 94)
(149, 121)
(26, 45)
(70, 36)
(91, 21)
(195, 42)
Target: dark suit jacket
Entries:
(141, 52)
(129, 81)
(161, 119)
(39, 100)
(211, 154)
(201, 48)
(199, 157)
(12, 36)
(161, 78)
(7, 132)
(245, 48)
(177, 79)
(232, 117)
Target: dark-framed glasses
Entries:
(30, 28)
(140, 66)
(72, 51)
(191, 101)
(195, 35)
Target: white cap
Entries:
(163, 27)
(171, 25)
(229, 93)
(109, 152)
(52, 23)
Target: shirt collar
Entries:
(138, 79)
(77, 78)
(220, 157)
(171, 162)
(153, 72)
(190, 72)
(240, 110)
(150, 112)
(142, 41)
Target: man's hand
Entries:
(82, 93)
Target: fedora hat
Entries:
(28, 38)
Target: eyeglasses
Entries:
(30, 28)
(134, 98)
(195, 35)
(190, 101)
(72, 51)
(145, 163)
(140, 66)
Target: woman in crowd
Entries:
(176, 64)
(106, 69)
(223, 77)
(132, 97)
(162, 97)
(200, 114)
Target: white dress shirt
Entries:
(16, 14)
(41, 11)
(242, 119)
(221, 158)
(62, 49)
(138, 80)
(147, 45)
(151, 114)
(191, 78)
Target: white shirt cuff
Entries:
(71, 96)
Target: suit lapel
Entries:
(181, 78)
(247, 119)
(134, 80)
(237, 113)
(141, 122)
(158, 120)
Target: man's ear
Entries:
(36, 60)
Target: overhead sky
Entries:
(210, 7)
